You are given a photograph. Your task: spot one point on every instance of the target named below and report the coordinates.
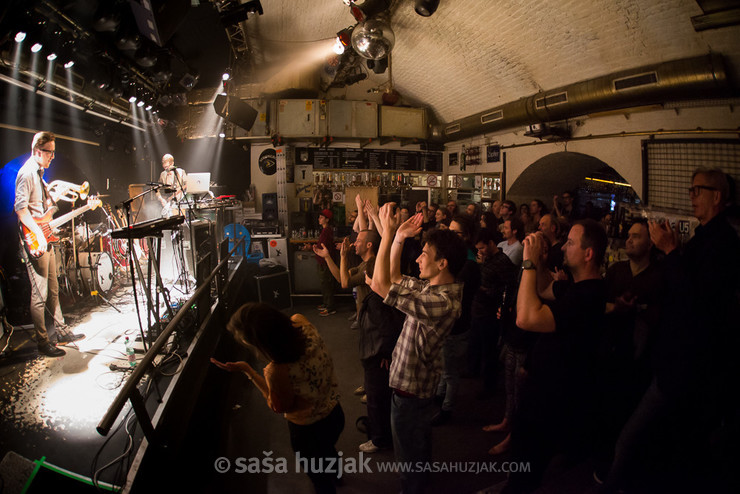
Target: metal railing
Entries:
(130, 389)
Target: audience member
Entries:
(693, 392)
(431, 305)
(558, 402)
(298, 382)
(456, 344)
(512, 246)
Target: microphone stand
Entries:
(189, 218)
(131, 257)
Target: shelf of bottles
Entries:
(471, 188)
(392, 186)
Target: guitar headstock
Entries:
(93, 202)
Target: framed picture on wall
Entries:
(453, 159)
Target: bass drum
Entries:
(102, 268)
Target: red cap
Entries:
(327, 214)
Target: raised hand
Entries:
(389, 216)
(664, 238)
(411, 227)
(232, 366)
(534, 247)
(345, 247)
(321, 250)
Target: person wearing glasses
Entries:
(32, 202)
(696, 376)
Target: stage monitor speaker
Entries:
(158, 20)
(202, 238)
(235, 111)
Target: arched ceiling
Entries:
(472, 55)
(555, 173)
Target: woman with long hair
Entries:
(298, 381)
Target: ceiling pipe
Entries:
(690, 78)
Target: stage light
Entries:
(132, 99)
(36, 47)
(20, 36)
(222, 134)
(344, 39)
(368, 9)
(148, 107)
(226, 75)
(140, 103)
(51, 57)
(69, 64)
(426, 7)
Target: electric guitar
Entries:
(48, 226)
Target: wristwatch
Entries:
(527, 264)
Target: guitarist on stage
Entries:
(32, 201)
(174, 178)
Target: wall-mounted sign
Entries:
(432, 180)
(268, 162)
(493, 153)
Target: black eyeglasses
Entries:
(696, 189)
(50, 151)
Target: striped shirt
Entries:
(431, 311)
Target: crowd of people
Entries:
(628, 367)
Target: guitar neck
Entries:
(66, 217)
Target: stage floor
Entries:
(50, 407)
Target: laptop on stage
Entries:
(198, 183)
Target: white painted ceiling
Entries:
(472, 55)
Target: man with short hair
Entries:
(326, 239)
(694, 388)
(174, 178)
(513, 232)
(558, 397)
(565, 210)
(456, 344)
(498, 275)
(379, 327)
(507, 210)
(431, 305)
(32, 203)
(452, 207)
(550, 227)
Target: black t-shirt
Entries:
(563, 362)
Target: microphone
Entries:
(168, 190)
(155, 184)
(172, 168)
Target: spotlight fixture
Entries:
(132, 99)
(238, 14)
(20, 36)
(190, 79)
(149, 107)
(426, 7)
(69, 64)
(222, 134)
(373, 39)
(368, 9)
(36, 47)
(226, 75)
(343, 40)
(140, 103)
(51, 56)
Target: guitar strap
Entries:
(45, 192)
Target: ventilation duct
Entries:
(690, 78)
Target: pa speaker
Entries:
(235, 111)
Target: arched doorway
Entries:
(590, 179)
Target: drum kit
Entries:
(88, 260)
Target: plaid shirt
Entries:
(430, 312)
